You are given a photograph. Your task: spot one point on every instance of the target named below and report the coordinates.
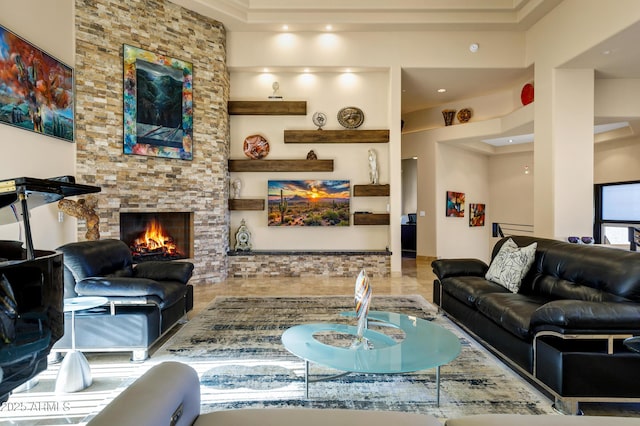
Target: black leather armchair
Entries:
(144, 300)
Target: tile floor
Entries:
(417, 278)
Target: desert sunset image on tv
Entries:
(308, 202)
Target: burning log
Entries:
(155, 242)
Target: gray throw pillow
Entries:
(511, 264)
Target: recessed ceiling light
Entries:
(285, 27)
(473, 47)
(442, 90)
(328, 27)
(510, 140)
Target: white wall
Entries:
(427, 128)
(325, 92)
(573, 27)
(487, 107)
(48, 25)
(371, 50)
(430, 49)
(422, 144)
(511, 190)
(617, 98)
(464, 171)
(617, 161)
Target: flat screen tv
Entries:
(308, 202)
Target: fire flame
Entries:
(155, 239)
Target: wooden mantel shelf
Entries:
(280, 165)
(336, 136)
(267, 107)
(371, 218)
(246, 204)
(371, 190)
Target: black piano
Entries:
(35, 278)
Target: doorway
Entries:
(409, 222)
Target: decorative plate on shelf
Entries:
(350, 117)
(464, 115)
(256, 147)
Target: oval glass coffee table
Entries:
(426, 345)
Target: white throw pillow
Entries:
(511, 264)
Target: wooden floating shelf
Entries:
(336, 136)
(267, 107)
(371, 218)
(371, 190)
(280, 165)
(246, 204)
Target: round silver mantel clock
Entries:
(243, 237)
(319, 119)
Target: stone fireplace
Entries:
(158, 235)
(138, 183)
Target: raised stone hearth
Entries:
(252, 264)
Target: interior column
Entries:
(563, 153)
(563, 156)
(395, 169)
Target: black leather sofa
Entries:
(145, 300)
(564, 329)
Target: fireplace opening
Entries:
(157, 235)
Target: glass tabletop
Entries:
(633, 343)
(83, 302)
(425, 345)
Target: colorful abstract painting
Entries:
(158, 105)
(36, 90)
(476, 214)
(308, 202)
(455, 204)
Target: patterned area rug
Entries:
(235, 346)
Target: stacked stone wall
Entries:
(142, 183)
(257, 265)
